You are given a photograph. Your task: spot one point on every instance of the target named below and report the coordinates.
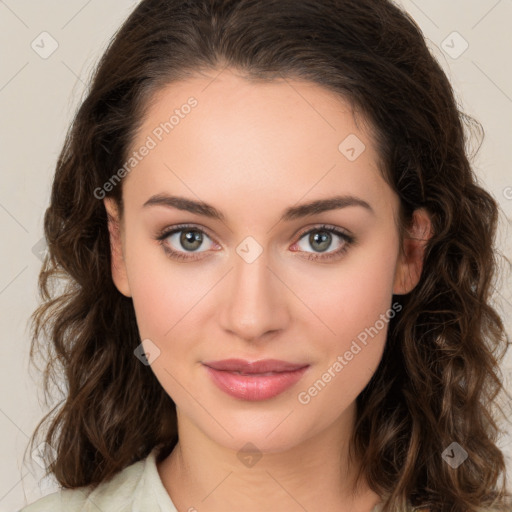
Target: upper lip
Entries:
(262, 366)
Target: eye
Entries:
(180, 240)
(321, 239)
(183, 241)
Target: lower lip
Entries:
(256, 386)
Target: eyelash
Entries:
(181, 256)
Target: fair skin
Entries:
(252, 150)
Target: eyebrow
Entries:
(291, 213)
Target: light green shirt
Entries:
(136, 488)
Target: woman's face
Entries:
(257, 274)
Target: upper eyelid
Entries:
(321, 226)
(164, 233)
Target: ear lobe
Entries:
(410, 263)
(118, 266)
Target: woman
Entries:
(214, 357)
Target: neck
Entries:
(203, 475)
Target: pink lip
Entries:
(257, 380)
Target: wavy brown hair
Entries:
(439, 379)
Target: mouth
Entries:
(257, 380)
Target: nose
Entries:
(255, 300)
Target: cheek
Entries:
(164, 298)
(163, 291)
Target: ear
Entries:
(410, 262)
(118, 266)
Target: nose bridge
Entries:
(255, 302)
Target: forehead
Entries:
(221, 136)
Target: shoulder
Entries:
(119, 491)
(64, 499)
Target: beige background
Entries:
(38, 97)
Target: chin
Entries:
(270, 431)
